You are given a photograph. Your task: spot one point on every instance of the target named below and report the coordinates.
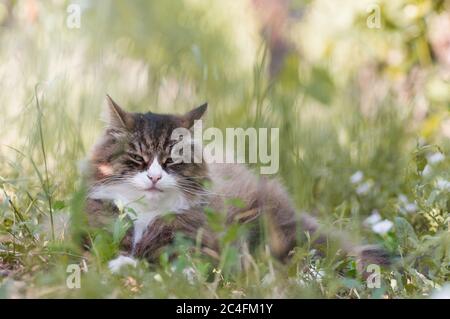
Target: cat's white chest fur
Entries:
(145, 207)
(141, 222)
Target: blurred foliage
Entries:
(351, 100)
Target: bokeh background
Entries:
(359, 89)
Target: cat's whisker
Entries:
(199, 192)
(197, 188)
(204, 178)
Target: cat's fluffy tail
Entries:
(365, 255)
(285, 227)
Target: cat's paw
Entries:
(117, 264)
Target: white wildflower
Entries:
(403, 198)
(382, 227)
(158, 278)
(443, 184)
(407, 207)
(363, 188)
(357, 177)
(435, 158)
(411, 207)
(427, 170)
(373, 218)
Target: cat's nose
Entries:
(154, 177)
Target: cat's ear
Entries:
(117, 118)
(187, 120)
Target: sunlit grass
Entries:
(54, 81)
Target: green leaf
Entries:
(231, 234)
(235, 202)
(120, 228)
(351, 283)
(59, 204)
(405, 233)
(321, 86)
(421, 161)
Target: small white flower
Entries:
(382, 227)
(435, 158)
(357, 177)
(408, 207)
(411, 208)
(403, 198)
(427, 170)
(158, 278)
(442, 293)
(443, 184)
(373, 218)
(363, 188)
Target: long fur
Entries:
(118, 166)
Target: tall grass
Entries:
(169, 58)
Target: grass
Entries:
(55, 81)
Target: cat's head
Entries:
(132, 160)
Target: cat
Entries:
(132, 164)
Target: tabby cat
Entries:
(132, 164)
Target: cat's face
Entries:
(133, 159)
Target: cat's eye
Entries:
(136, 157)
(169, 162)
